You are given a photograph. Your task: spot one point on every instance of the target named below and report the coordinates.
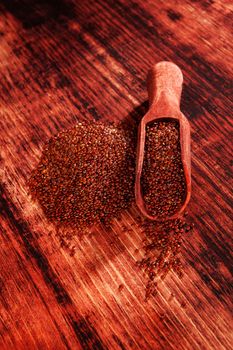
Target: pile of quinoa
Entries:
(85, 175)
(163, 181)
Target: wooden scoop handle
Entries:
(164, 83)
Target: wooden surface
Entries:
(63, 61)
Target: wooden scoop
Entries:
(164, 89)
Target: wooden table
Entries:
(63, 61)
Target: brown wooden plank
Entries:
(63, 61)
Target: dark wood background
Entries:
(63, 61)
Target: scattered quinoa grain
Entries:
(121, 287)
(162, 250)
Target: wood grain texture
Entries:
(63, 61)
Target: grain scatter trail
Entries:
(162, 246)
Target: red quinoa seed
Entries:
(163, 181)
(162, 250)
(83, 175)
(86, 176)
